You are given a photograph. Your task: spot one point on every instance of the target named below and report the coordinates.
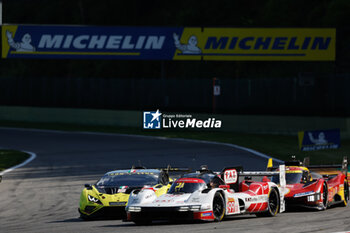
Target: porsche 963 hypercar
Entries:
(207, 195)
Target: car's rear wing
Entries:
(231, 175)
(343, 165)
(176, 169)
(172, 172)
(175, 172)
(331, 169)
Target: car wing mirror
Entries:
(88, 186)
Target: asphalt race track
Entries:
(43, 196)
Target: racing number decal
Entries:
(179, 186)
(231, 207)
(230, 176)
(332, 192)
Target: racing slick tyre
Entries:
(324, 197)
(218, 207)
(346, 194)
(273, 204)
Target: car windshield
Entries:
(181, 186)
(138, 179)
(291, 178)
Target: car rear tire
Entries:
(273, 204)
(346, 194)
(218, 207)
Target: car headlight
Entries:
(133, 208)
(190, 208)
(184, 208)
(311, 198)
(195, 208)
(93, 199)
(205, 206)
(314, 197)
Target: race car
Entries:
(109, 196)
(208, 196)
(317, 187)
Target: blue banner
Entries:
(22, 41)
(319, 139)
(167, 43)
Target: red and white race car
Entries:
(315, 186)
(207, 195)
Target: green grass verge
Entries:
(10, 158)
(278, 146)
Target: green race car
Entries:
(108, 197)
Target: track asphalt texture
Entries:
(43, 196)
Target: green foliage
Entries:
(9, 158)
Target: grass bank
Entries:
(10, 158)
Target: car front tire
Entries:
(218, 207)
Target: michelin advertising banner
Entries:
(319, 139)
(166, 43)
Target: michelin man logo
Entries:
(151, 120)
(23, 46)
(321, 140)
(189, 48)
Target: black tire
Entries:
(218, 207)
(273, 205)
(324, 197)
(346, 194)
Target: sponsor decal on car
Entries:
(230, 176)
(122, 189)
(257, 198)
(208, 214)
(304, 194)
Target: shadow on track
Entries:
(68, 220)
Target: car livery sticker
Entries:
(304, 194)
(230, 176)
